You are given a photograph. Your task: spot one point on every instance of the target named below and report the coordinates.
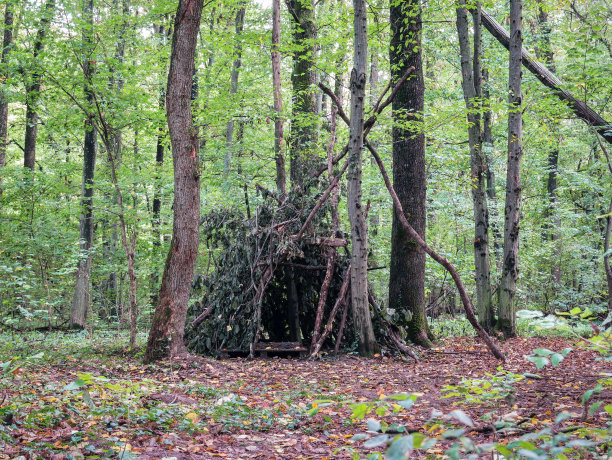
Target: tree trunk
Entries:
(548, 79)
(229, 132)
(159, 163)
(487, 139)
(544, 52)
(303, 152)
(7, 43)
(510, 268)
(80, 302)
(33, 89)
(357, 218)
(407, 269)
(472, 92)
(279, 156)
(167, 329)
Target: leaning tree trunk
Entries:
(472, 93)
(548, 79)
(407, 270)
(80, 301)
(357, 218)
(510, 268)
(33, 87)
(167, 329)
(6, 49)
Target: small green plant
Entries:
(491, 390)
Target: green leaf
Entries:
(377, 440)
(565, 351)
(575, 311)
(555, 359)
(503, 450)
(400, 447)
(562, 416)
(462, 417)
(594, 407)
(539, 361)
(453, 434)
(542, 352)
(373, 424)
(406, 403)
(78, 383)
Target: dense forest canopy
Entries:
(83, 92)
(425, 184)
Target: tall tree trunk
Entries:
(472, 93)
(7, 43)
(167, 329)
(487, 139)
(229, 133)
(544, 52)
(510, 267)
(357, 218)
(303, 151)
(159, 163)
(407, 270)
(607, 254)
(80, 302)
(33, 86)
(279, 156)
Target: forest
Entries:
(305, 229)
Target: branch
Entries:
(323, 199)
(412, 233)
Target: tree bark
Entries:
(167, 329)
(7, 43)
(33, 89)
(510, 267)
(279, 156)
(80, 302)
(545, 53)
(548, 79)
(229, 132)
(303, 152)
(407, 269)
(359, 230)
(159, 163)
(472, 93)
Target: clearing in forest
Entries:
(81, 397)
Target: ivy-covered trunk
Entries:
(303, 152)
(229, 132)
(472, 93)
(407, 270)
(7, 42)
(510, 267)
(279, 156)
(167, 329)
(80, 301)
(33, 87)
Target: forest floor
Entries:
(84, 398)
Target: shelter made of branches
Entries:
(262, 275)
